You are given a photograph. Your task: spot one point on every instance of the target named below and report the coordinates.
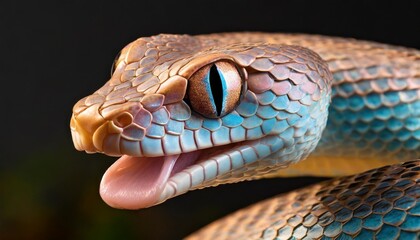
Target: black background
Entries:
(54, 53)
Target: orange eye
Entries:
(215, 89)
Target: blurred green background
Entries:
(54, 53)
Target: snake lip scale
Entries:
(188, 171)
(186, 112)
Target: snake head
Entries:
(186, 112)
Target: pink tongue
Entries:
(137, 182)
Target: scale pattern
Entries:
(142, 110)
(374, 109)
(383, 203)
(375, 101)
(289, 79)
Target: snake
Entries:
(185, 112)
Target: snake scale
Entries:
(187, 112)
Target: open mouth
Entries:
(140, 182)
(137, 182)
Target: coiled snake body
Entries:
(187, 112)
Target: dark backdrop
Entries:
(53, 53)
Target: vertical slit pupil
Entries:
(216, 88)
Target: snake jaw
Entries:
(140, 182)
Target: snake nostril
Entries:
(123, 120)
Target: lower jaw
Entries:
(140, 182)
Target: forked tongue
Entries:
(137, 182)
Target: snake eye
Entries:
(115, 63)
(215, 90)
